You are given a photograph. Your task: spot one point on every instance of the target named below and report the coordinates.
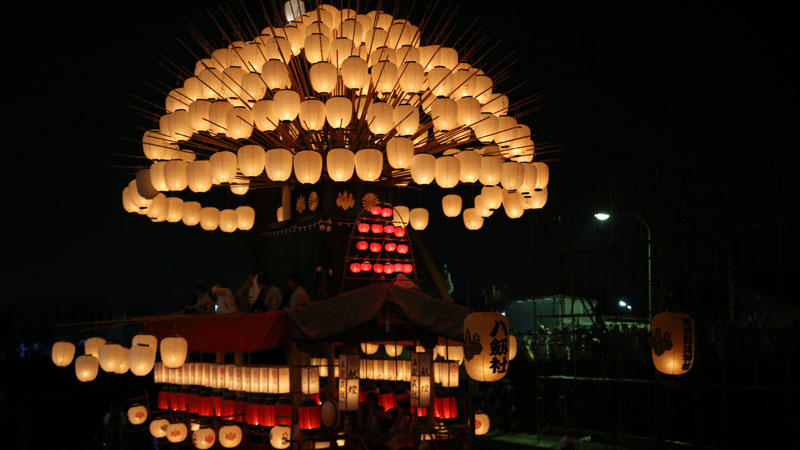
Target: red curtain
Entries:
(224, 333)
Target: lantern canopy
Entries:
(348, 382)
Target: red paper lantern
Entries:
(269, 416)
(377, 228)
(398, 268)
(377, 268)
(163, 400)
(408, 268)
(252, 413)
(375, 247)
(387, 401)
(446, 408)
(206, 407)
(193, 401)
(363, 227)
(388, 269)
(388, 229)
(402, 249)
(390, 247)
(216, 405)
(309, 416)
(375, 210)
(178, 401)
(399, 231)
(355, 267)
(387, 212)
(366, 266)
(362, 245)
(284, 414)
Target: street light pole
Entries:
(605, 216)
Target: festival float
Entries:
(324, 122)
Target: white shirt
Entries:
(226, 302)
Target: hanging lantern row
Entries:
(253, 379)
(381, 268)
(417, 113)
(229, 436)
(114, 358)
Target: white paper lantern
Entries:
(542, 175)
(307, 166)
(444, 112)
(486, 346)
(204, 438)
(142, 355)
(287, 104)
(199, 175)
(278, 162)
(312, 114)
(513, 204)
(191, 213)
(175, 175)
(110, 356)
(423, 168)
(380, 117)
(245, 217)
(228, 221)
(265, 116)
(280, 437)
(472, 219)
(174, 351)
(419, 218)
(92, 346)
(401, 216)
(355, 73)
(223, 166)
(86, 368)
(323, 76)
(482, 423)
(469, 111)
(338, 112)
(62, 353)
(448, 170)
(158, 428)
(451, 205)
(177, 432)
(369, 164)
(407, 119)
(137, 414)
(340, 163)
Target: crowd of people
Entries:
(257, 294)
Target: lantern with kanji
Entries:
(421, 379)
(137, 414)
(280, 437)
(672, 342)
(486, 346)
(348, 382)
(230, 436)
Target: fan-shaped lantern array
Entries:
(253, 114)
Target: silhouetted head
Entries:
(293, 281)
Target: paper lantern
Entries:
(204, 438)
(419, 218)
(444, 112)
(542, 175)
(62, 353)
(286, 104)
(451, 205)
(173, 351)
(338, 112)
(439, 82)
(175, 175)
(245, 217)
(142, 357)
(199, 176)
(158, 428)
(348, 382)
(144, 185)
(223, 166)
(158, 208)
(512, 347)
(369, 348)
(491, 169)
(275, 74)
(406, 118)
(470, 167)
(472, 219)
(486, 346)
(323, 76)
(92, 346)
(309, 380)
(513, 204)
(209, 218)
(228, 221)
(191, 213)
(230, 436)
(218, 116)
(278, 162)
(280, 437)
(469, 111)
(451, 352)
(485, 127)
(377, 228)
(380, 118)
(250, 159)
(412, 77)
(400, 219)
(86, 368)
(154, 144)
(177, 432)
(174, 209)
(307, 166)
(482, 423)
(423, 168)
(537, 199)
(137, 414)
(312, 114)
(672, 342)
(355, 73)
(399, 152)
(448, 171)
(239, 123)
(341, 49)
(393, 350)
(239, 186)
(265, 116)
(384, 76)
(420, 392)
(369, 164)
(528, 184)
(512, 175)
(110, 356)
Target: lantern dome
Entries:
(250, 160)
(419, 218)
(86, 368)
(175, 175)
(307, 166)
(407, 119)
(174, 209)
(338, 112)
(491, 170)
(278, 162)
(493, 196)
(142, 356)
(355, 73)
(472, 219)
(380, 117)
(486, 127)
(340, 163)
(513, 204)
(423, 168)
(199, 175)
(265, 116)
(239, 122)
(512, 174)
(173, 351)
(110, 356)
(411, 77)
(448, 170)
(209, 218)
(445, 114)
(62, 353)
(287, 104)
(228, 221)
(470, 166)
(223, 166)
(275, 74)
(191, 213)
(451, 205)
(323, 76)
(369, 164)
(312, 114)
(245, 217)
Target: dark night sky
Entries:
(630, 90)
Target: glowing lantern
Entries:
(86, 368)
(239, 186)
(362, 245)
(341, 49)
(199, 115)
(92, 346)
(412, 77)
(348, 382)
(451, 352)
(542, 175)
(419, 218)
(469, 111)
(309, 380)
(444, 112)
(420, 392)
(275, 74)
(406, 118)
(493, 196)
(154, 144)
(472, 219)
(438, 82)
(393, 350)
(448, 171)
(174, 209)
(277, 47)
(423, 168)
(375, 247)
(512, 347)
(209, 219)
(338, 112)
(204, 438)
(158, 208)
(280, 437)
(239, 122)
(250, 159)
(375, 210)
(528, 184)
(369, 164)
(265, 116)
(470, 166)
(486, 346)
(377, 228)
(191, 213)
(451, 205)
(402, 249)
(355, 267)
(486, 128)
(173, 351)
(482, 423)
(158, 428)
(355, 73)
(230, 436)
(401, 216)
(177, 432)
(369, 348)
(537, 199)
(672, 342)
(399, 152)
(137, 414)
(144, 185)
(491, 169)
(307, 166)
(227, 221)
(278, 162)
(384, 76)
(513, 204)
(199, 176)
(287, 104)
(142, 355)
(312, 114)
(323, 77)
(363, 227)
(386, 213)
(380, 117)
(219, 116)
(62, 353)
(512, 174)
(245, 217)
(223, 166)
(110, 356)
(175, 175)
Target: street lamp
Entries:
(602, 217)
